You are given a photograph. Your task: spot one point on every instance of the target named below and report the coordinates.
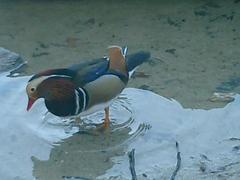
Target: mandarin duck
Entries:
(85, 88)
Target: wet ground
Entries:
(195, 53)
(194, 44)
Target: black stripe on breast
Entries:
(82, 98)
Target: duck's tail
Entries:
(136, 59)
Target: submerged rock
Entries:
(9, 60)
(222, 97)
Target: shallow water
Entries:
(42, 146)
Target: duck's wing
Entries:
(117, 63)
(110, 81)
(89, 71)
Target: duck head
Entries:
(51, 88)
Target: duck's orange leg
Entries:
(106, 119)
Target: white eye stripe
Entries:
(57, 76)
(35, 82)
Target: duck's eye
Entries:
(32, 89)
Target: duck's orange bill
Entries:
(30, 103)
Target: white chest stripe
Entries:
(77, 102)
(80, 95)
(84, 98)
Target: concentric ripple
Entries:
(122, 122)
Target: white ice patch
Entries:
(205, 137)
(22, 134)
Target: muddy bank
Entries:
(194, 44)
